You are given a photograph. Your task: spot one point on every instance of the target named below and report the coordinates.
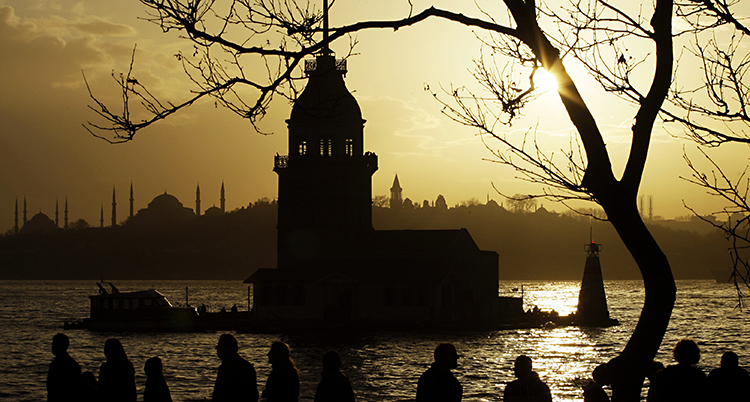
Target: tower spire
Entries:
(15, 227)
(222, 199)
(114, 208)
(326, 49)
(131, 199)
(198, 200)
(66, 213)
(24, 209)
(57, 213)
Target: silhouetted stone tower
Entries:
(198, 200)
(325, 188)
(66, 213)
(592, 301)
(396, 199)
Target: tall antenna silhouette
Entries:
(326, 49)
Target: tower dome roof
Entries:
(325, 96)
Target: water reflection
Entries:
(382, 366)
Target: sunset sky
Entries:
(46, 154)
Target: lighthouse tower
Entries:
(325, 181)
(592, 300)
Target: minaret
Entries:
(198, 200)
(15, 226)
(24, 209)
(131, 199)
(114, 208)
(325, 181)
(222, 200)
(101, 218)
(396, 200)
(57, 213)
(66, 213)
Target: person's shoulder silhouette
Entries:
(437, 383)
(527, 386)
(156, 389)
(729, 382)
(236, 379)
(117, 374)
(683, 381)
(282, 384)
(64, 375)
(333, 386)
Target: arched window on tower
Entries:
(330, 147)
(326, 146)
(303, 147)
(349, 147)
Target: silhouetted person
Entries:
(528, 387)
(438, 384)
(283, 382)
(236, 380)
(730, 382)
(117, 374)
(64, 375)
(90, 388)
(593, 391)
(682, 381)
(156, 389)
(334, 386)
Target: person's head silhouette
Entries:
(730, 360)
(279, 353)
(687, 352)
(446, 355)
(522, 366)
(331, 361)
(60, 343)
(227, 346)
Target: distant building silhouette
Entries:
(396, 200)
(66, 213)
(163, 212)
(16, 229)
(333, 266)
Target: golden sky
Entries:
(46, 155)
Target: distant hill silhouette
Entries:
(538, 245)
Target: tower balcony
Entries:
(369, 160)
(311, 65)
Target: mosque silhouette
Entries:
(333, 267)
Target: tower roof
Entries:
(326, 95)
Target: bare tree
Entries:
(281, 33)
(714, 111)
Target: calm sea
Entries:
(381, 366)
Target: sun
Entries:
(545, 81)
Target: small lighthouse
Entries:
(592, 301)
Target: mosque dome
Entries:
(39, 223)
(165, 202)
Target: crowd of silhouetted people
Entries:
(236, 378)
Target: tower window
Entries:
(349, 147)
(303, 147)
(325, 147)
